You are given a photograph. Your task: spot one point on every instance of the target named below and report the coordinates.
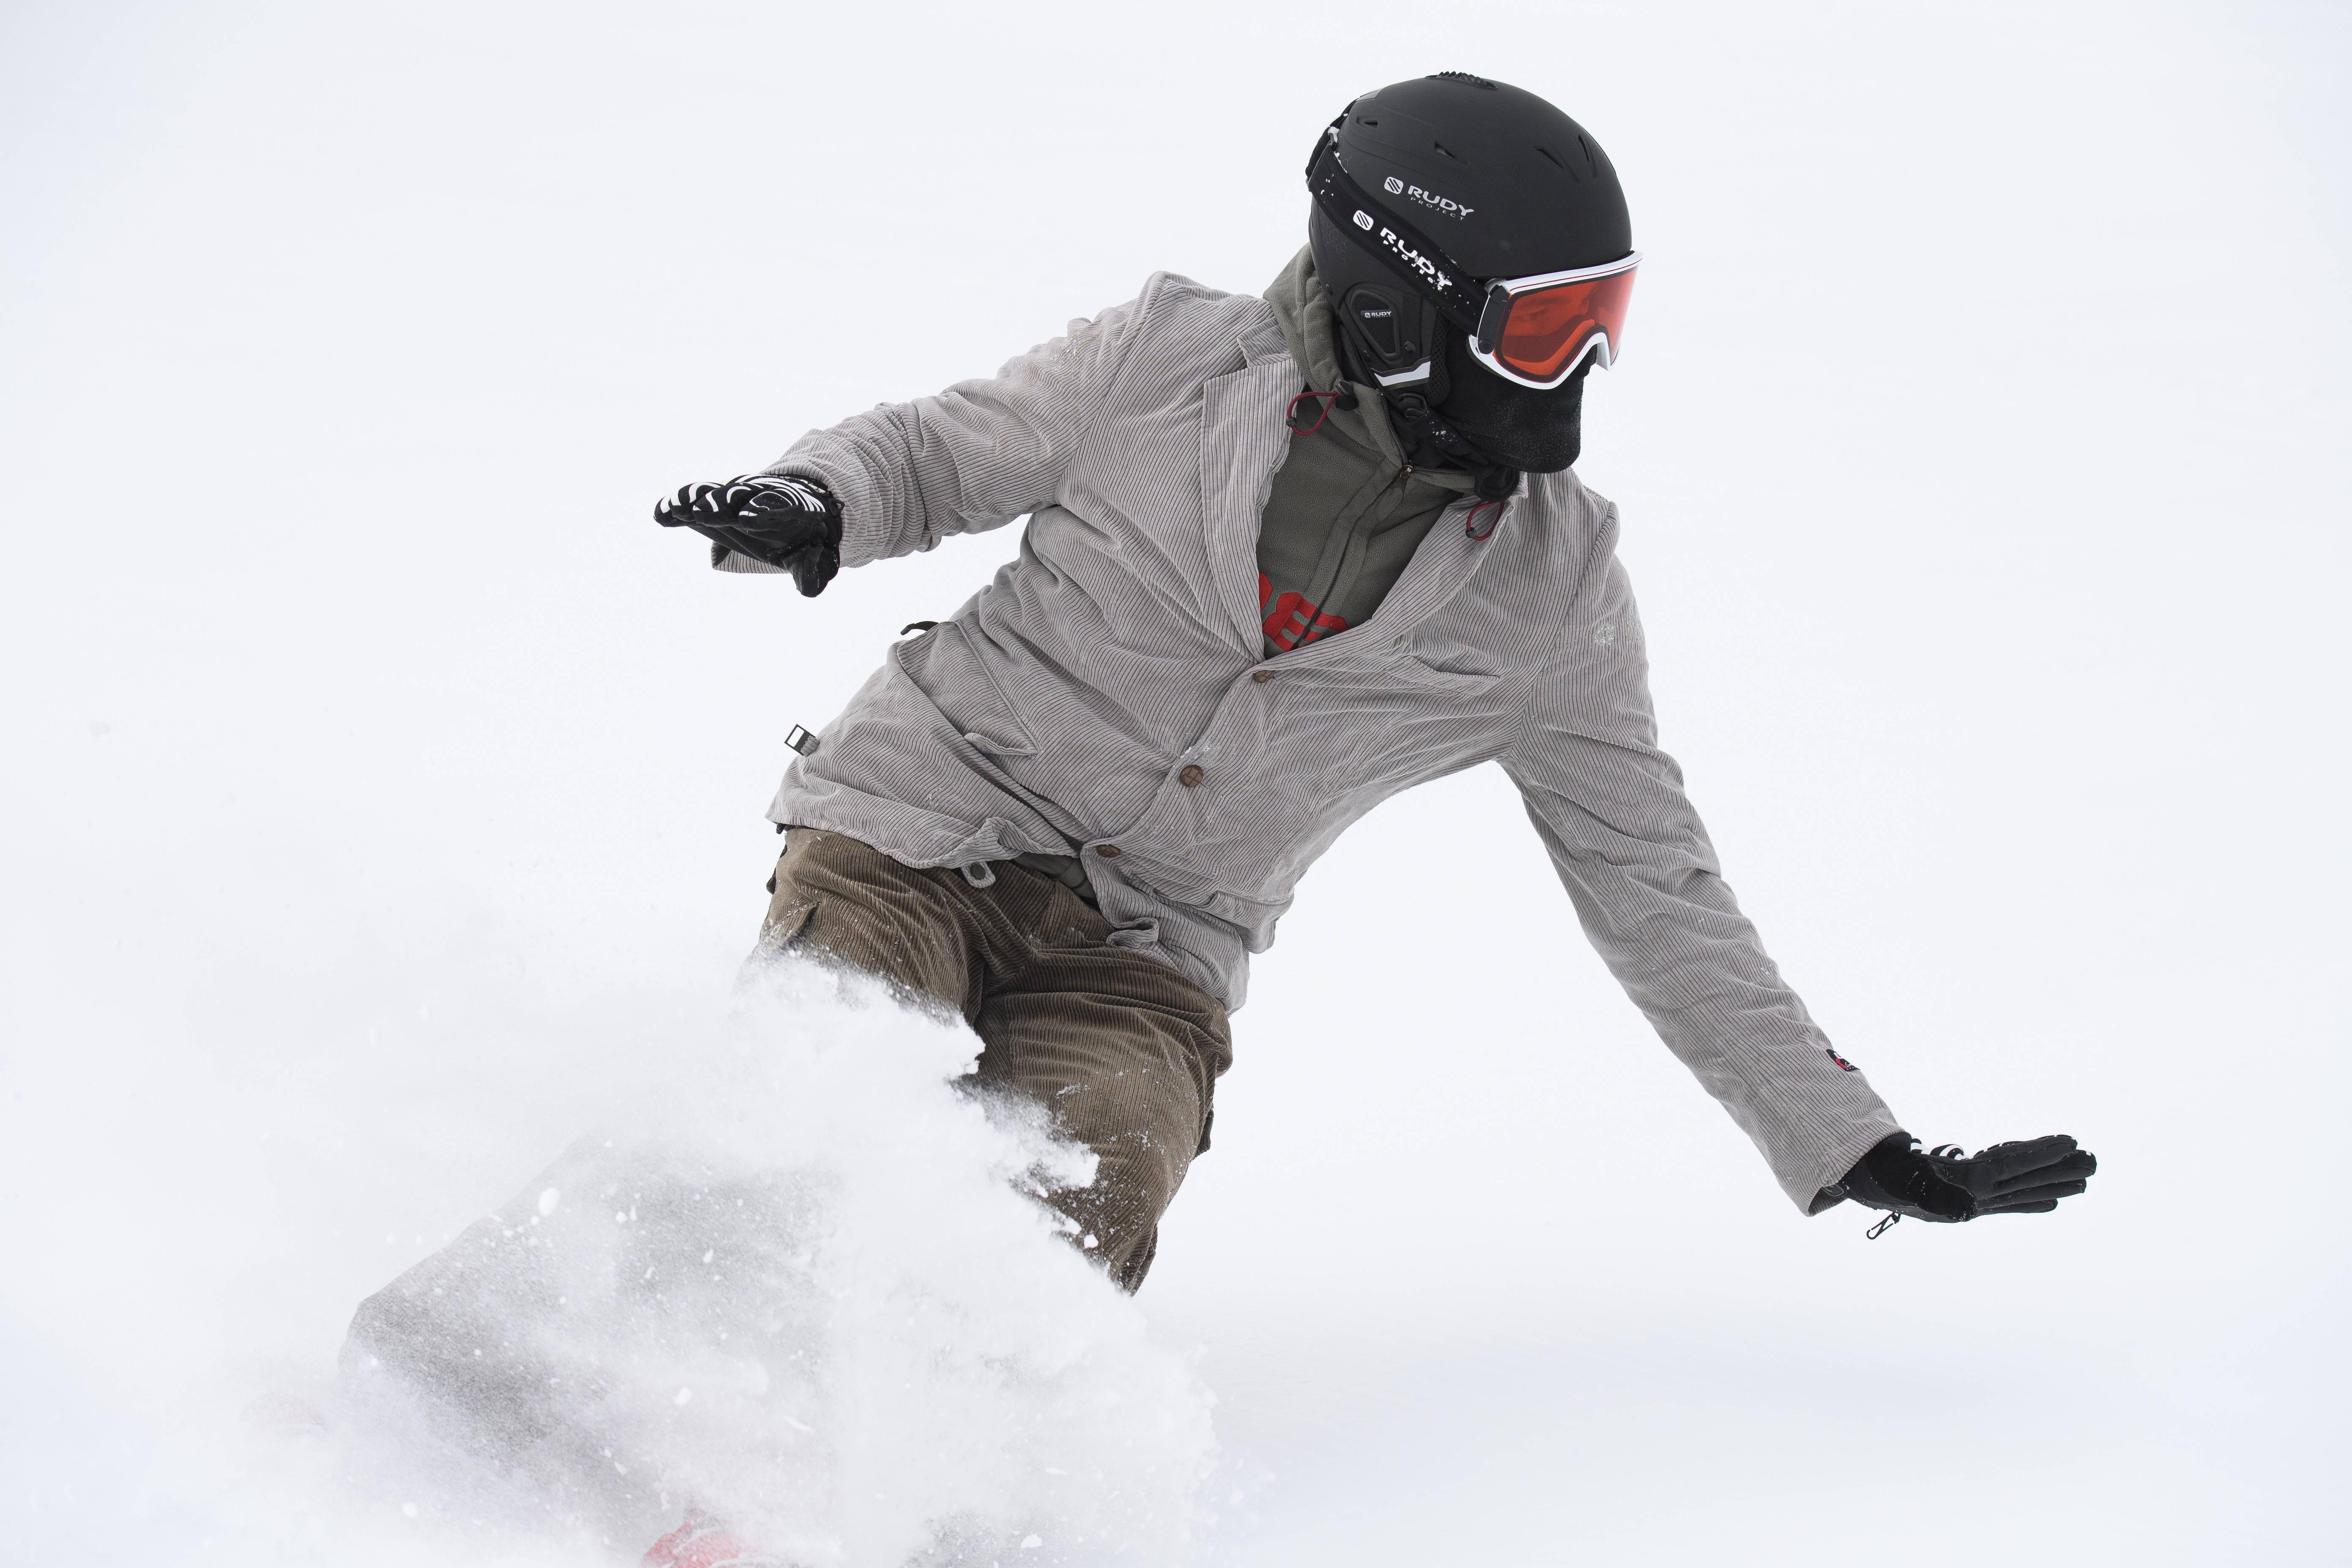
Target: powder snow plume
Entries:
(793, 1280)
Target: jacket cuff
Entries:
(1810, 1190)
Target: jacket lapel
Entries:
(1243, 441)
(1438, 571)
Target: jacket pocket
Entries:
(1443, 664)
(1421, 672)
(945, 668)
(787, 923)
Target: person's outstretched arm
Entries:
(904, 475)
(1635, 860)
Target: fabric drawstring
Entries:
(1324, 403)
(1470, 524)
(1416, 418)
(979, 874)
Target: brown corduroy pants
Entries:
(1121, 1049)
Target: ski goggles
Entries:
(1538, 331)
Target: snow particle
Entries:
(684, 1394)
(549, 1199)
(1031, 1542)
(409, 1509)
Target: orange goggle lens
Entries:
(1548, 329)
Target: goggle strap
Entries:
(1410, 254)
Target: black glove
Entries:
(1942, 1183)
(783, 520)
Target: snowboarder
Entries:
(1286, 555)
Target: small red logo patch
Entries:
(1844, 1065)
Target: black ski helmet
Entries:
(1502, 182)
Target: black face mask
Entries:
(1535, 432)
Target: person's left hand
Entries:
(1946, 1185)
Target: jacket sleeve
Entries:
(1638, 865)
(973, 457)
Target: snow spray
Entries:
(794, 1280)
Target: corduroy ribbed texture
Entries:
(1062, 708)
(1123, 1053)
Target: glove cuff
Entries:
(1894, 1176)
(1861, 1184)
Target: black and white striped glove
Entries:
(1943, 1183)
(784, 520)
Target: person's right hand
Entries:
(786, 520)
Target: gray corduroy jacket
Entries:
(1061, 709)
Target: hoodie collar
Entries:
(1302, 306)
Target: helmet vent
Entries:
(1553, 159)
(1590, 160)
(1449, 152)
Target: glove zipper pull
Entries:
(1881, 1229)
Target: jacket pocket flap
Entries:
(947, 668)
(1419, 670)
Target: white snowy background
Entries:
(383, 791)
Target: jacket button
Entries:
(1107, 851)
(1191, 775)
(1261, 676)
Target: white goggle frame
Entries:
(1599, 347)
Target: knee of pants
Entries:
(1136, 1177)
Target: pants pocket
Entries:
(788, 918)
